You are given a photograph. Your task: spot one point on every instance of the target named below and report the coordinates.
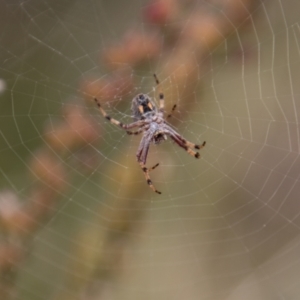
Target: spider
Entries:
(151, 121)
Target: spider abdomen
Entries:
(143, 107)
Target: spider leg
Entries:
(190, 144)
(141, 129)
(184, 144)
(161, 95)
(135, 132)
(147, 176)
(141, 156)
(172, 111)
(169, 130)
(116, 122)
(155, 166)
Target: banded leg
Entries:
(183, 144)
(161, 95)
(141, 129)
(192, 145)
(147, 176)
(135, 132)
(183, 140)
(141, 156)
(116, 122)
(155, 166)
(172, 111)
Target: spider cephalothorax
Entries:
(151, 121)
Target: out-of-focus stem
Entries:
(21, 219)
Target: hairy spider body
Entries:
(143, 107)
(150, 120)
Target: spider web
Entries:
(225, 227)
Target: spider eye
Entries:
(141, 97)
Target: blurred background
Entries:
(77, 218)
